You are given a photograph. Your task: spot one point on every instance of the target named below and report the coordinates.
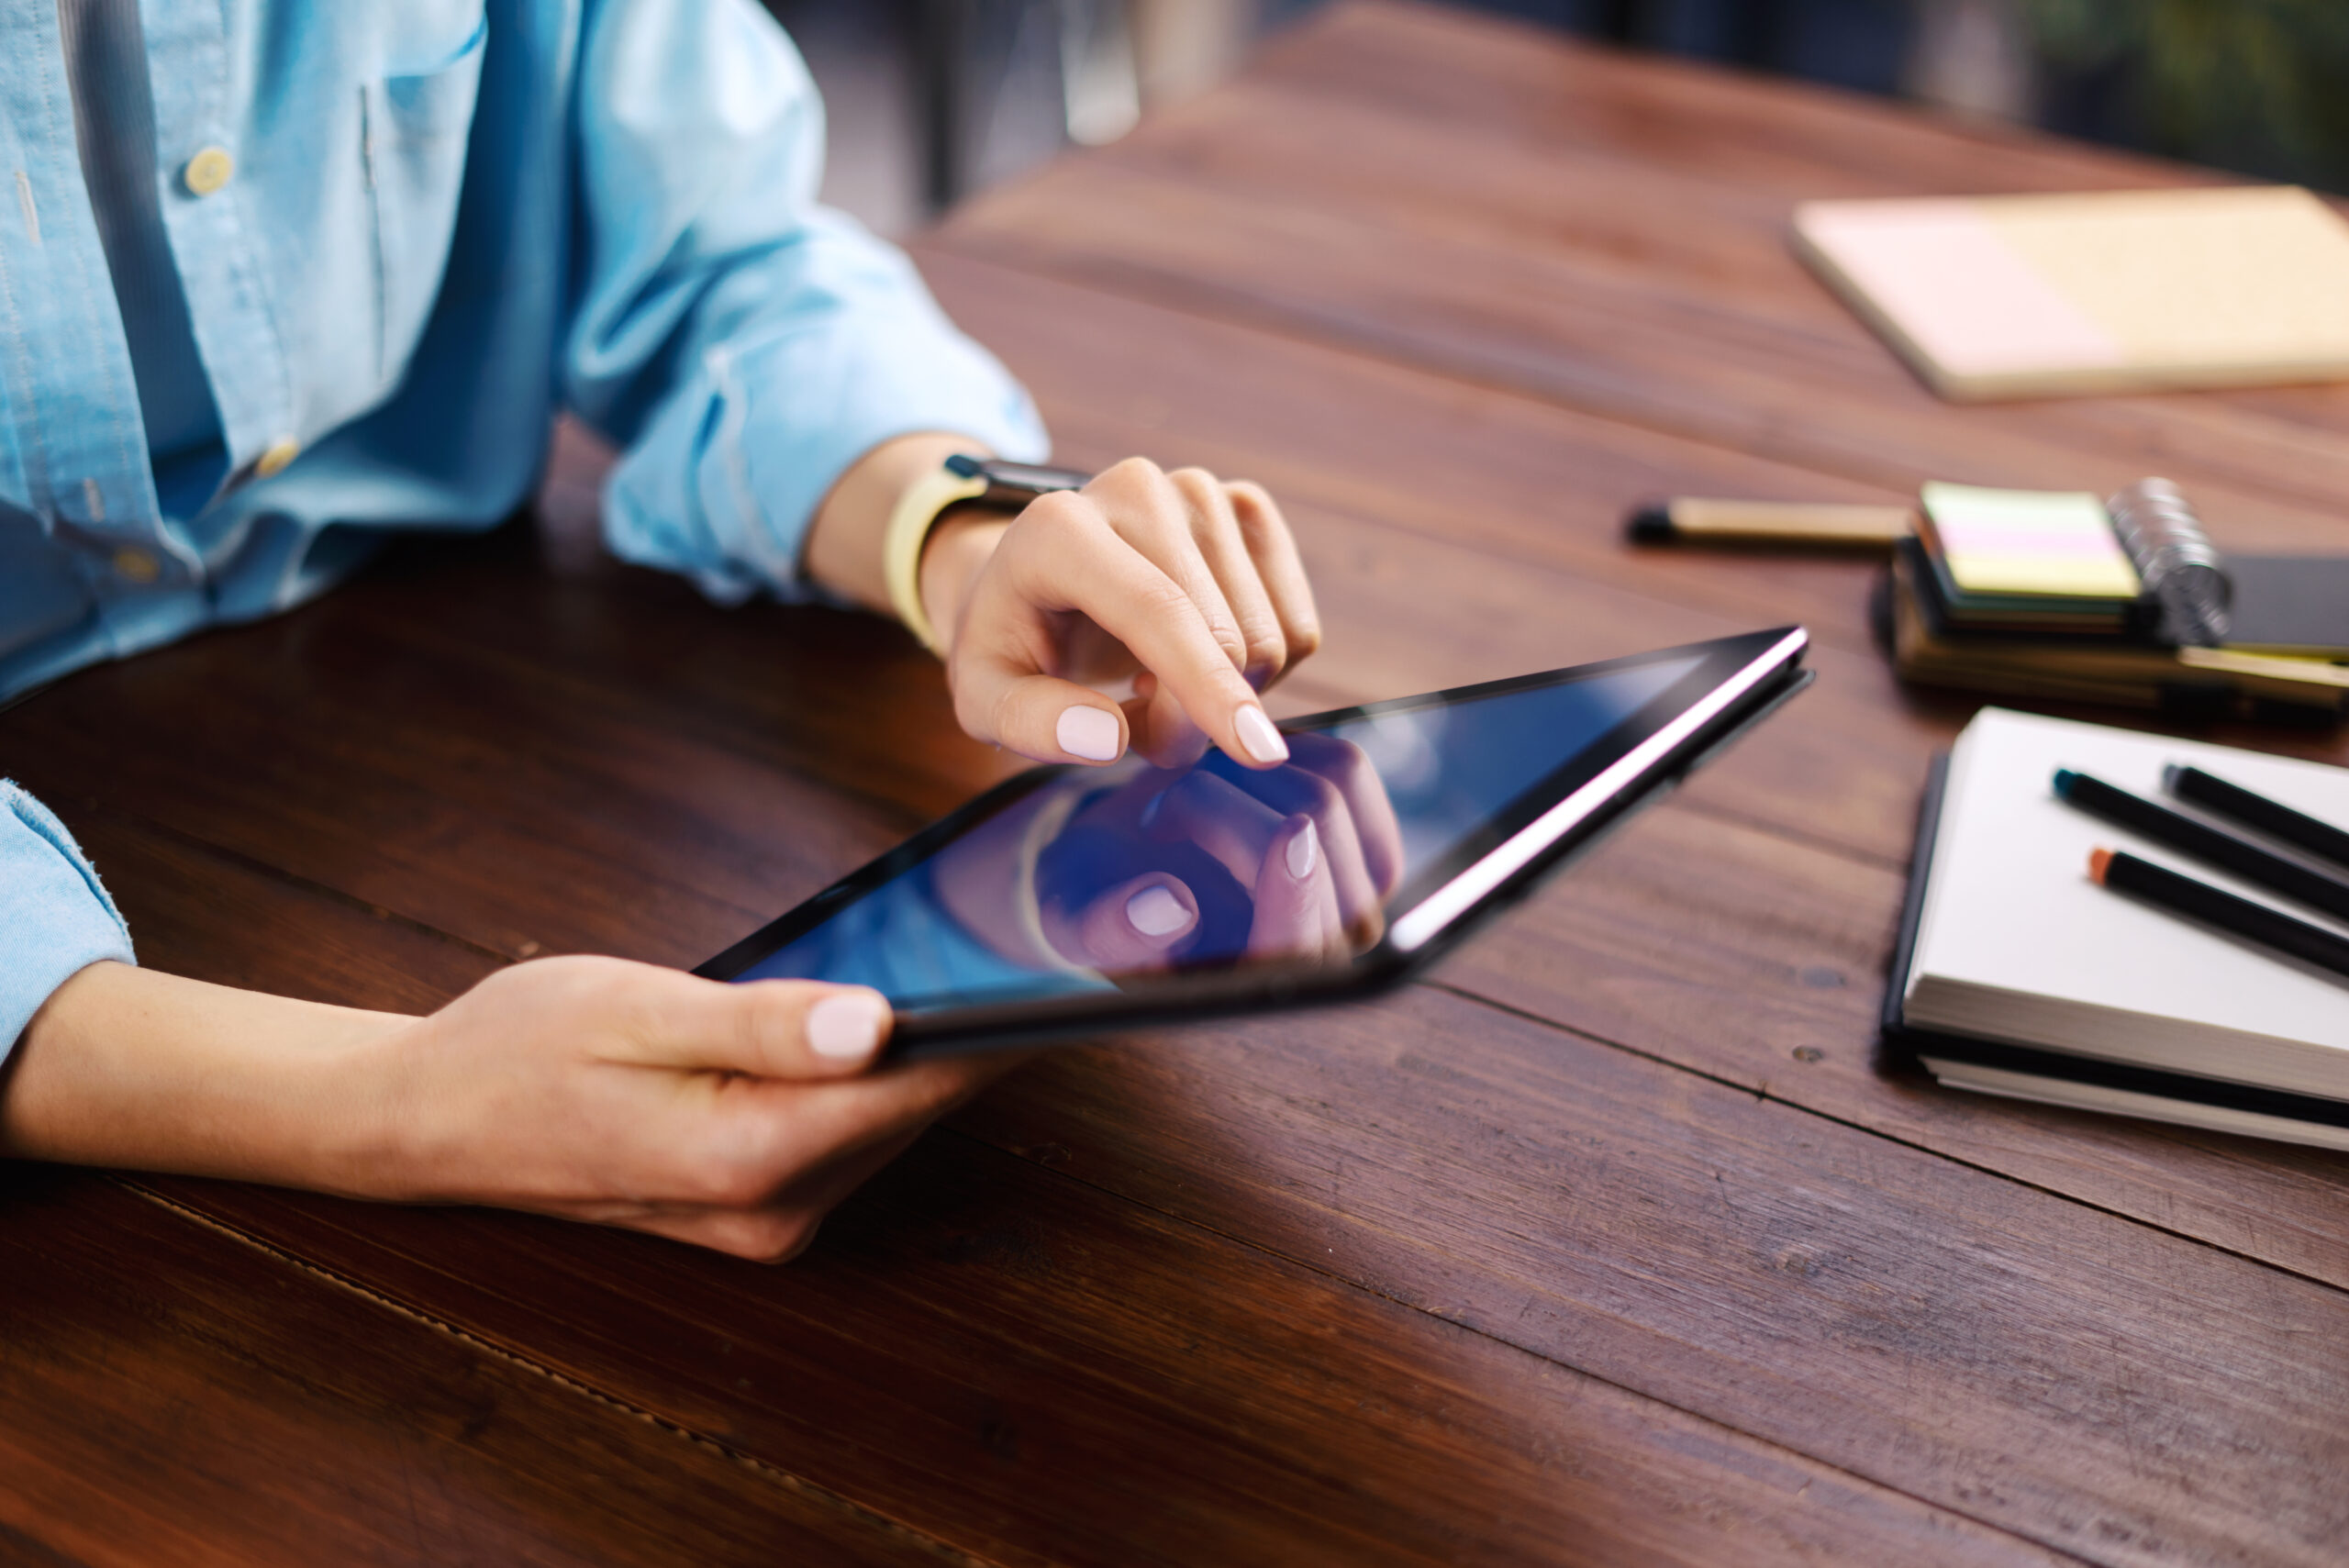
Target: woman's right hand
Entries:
(1184, 585)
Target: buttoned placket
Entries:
(77, 451)
(207, 207)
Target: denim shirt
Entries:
(409, 232)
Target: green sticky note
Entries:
(2049, 543)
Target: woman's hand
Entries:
(1186, 586)
(733, 1116)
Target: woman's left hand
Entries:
(1186, 585)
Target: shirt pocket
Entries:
(417, 127)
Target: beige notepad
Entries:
(2027, 296)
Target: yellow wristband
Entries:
(916, 513)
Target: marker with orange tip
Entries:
(2208, 906)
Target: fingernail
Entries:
(1256, 733)
(1303, 850)
(1088, 732)
(1156, 912)
(847, 1027)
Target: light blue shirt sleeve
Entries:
(742, 343)
(55, 915)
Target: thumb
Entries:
(763, 1028)
(1040, 717)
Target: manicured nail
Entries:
(1088, 732)
(1156, 912)
(1256, 733)
(846, 1027)
(1303, 850)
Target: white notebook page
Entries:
(2008, 903)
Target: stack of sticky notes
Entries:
(2034, 594)
(2025, 557)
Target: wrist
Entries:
(844, 544)
(958, 549)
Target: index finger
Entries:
(1080, 564)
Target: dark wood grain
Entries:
(437, 807)
(1925, 1325)
(1389, 1134)
(998, 1429)
(1503, 246)
(1914, 1322)
(1515, 475)
(198, 911)
(908, 1360)
(1040, 1372)
(169, 1393)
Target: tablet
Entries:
(1074, 900)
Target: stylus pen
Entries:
(2322, 840)
(2210, 905)
(2204, 843)
(1689, 520)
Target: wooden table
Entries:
(1616, 1243)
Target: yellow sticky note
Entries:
(2050, 543)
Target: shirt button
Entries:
(136, 565)
(280, 452)
(208, 170)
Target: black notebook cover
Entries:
(1900, 1037)
(2291, 602)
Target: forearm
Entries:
(129, 1067)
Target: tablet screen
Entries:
(1075, 880)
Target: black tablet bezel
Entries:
(1738, 680)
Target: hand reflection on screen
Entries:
(1208, 865)
(1216, 863)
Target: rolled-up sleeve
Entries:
(741, 343)
(55, 915)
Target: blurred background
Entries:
(931, 100)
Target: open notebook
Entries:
(2028, 297)
(2018, 975)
